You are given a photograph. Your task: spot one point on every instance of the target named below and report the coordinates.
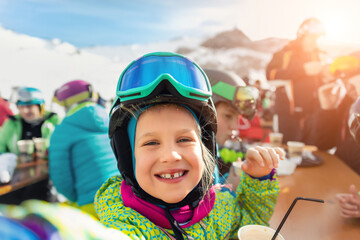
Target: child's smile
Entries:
(168, 155)
(173, 176)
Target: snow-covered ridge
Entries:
(47, 64)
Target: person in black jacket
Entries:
(330, 122)
(350, 202)
(300, 63)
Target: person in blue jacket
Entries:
(80, 155)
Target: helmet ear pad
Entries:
(120, 144)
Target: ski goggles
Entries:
(142, 76)
(354, 126)
(65, 96)
(28, 97)
(243, 98)
(354, 120)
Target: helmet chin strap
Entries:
(178, 231)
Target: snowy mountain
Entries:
(47, 64)
(229, 50)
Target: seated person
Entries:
(80, 156)
(31, 122)
(330, 122)
(350, 202)
(231, 98)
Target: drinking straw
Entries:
(289, 210)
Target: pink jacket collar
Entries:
(157, 214)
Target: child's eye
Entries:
(184, 140)
(151, 143)
(228, 116)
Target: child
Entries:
(32, 121)
(81, 159)
(162, 130)
(231, 98)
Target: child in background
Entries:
(32, 121)
(231, 98)
(80, 156)
(162, 130)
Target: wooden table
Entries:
(26, 174)
(312, 220)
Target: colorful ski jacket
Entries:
(253, 204)
(11, 131)
(80, 155)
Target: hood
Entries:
(90, 117)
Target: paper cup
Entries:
(276, 139)
(40, 146)
(257, 232)
(237, 167)
(295, 148)
(26, 150)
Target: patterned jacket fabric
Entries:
(253, 204)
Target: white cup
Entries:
(276, 138)
(40, 146)
(237, 167)
(257, 232)
(26, 149)
(295, 148)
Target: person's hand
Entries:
(313, 68)
(349, 203)
(331, 95)
(261, 160)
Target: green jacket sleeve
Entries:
(8, 137)
(257, 201)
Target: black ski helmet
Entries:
(163, 90)
(230, 88)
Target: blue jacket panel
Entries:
(80, 155)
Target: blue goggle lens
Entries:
(146, 69)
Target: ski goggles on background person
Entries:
(142, 76)
(243, 98)
(29, 96)
(66, 97)
(354, 120)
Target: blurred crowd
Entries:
(304, 98)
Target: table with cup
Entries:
(31, 166)
(307, 173)
(321, 180)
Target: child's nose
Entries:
(169, 154)
(234, 125)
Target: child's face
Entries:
(168, 154)
(29, 112)
(227, 121)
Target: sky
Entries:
(85, 23)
